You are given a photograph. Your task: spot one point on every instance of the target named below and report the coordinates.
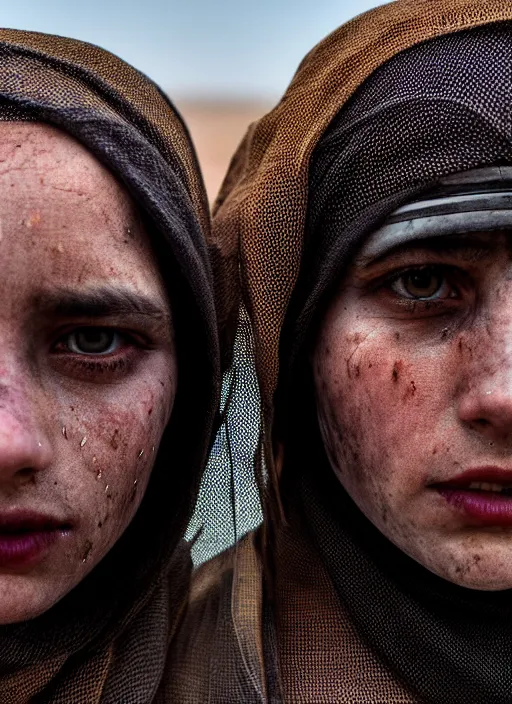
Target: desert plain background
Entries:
(217, 126)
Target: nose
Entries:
(23, 450)
(485, 401)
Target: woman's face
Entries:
(87, 365)
(413, 377)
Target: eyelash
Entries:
(449, 273)
(99, 366)
(119, 361)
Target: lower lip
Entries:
(484, 507)
(26, 549)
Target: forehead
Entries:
(65, 216)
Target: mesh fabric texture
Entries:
(108, 639)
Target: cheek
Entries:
(114, 443)
(377, 402)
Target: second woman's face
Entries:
(413, 376)
(87, 365)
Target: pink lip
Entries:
(26, 537)
(482, 507)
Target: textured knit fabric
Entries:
(445, 643)
(217, 656)
(376, 114)
(108, 640)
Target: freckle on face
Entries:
(83, 437)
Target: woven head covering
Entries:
(259, 217)
(380, 112)
(107, 640)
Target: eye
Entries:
(424, 283)
(93, 341)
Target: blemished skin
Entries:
(82, 410)
(413, 378)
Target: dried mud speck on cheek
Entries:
(114, 465)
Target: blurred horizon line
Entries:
(223, 98)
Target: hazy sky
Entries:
(191, 47)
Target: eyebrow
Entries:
(468, 245)
(101, 302)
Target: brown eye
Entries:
(425, 283)
(93, 341)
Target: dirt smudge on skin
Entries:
(87, 551)
(410, 390)
(114, 441)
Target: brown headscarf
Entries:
(259, 216)
(108, 640)
(265, 238)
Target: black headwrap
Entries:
(436, 109)
(131, 127)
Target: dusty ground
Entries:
(217, 128)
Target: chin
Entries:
(497, 585)
(23, 600)
(12, 612)
(476, 572)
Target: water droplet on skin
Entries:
(98, 473)
(64, 432)
(106, 488)
(141, 453)
(83, 441)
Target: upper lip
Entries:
(489, 474)
(24, 521)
